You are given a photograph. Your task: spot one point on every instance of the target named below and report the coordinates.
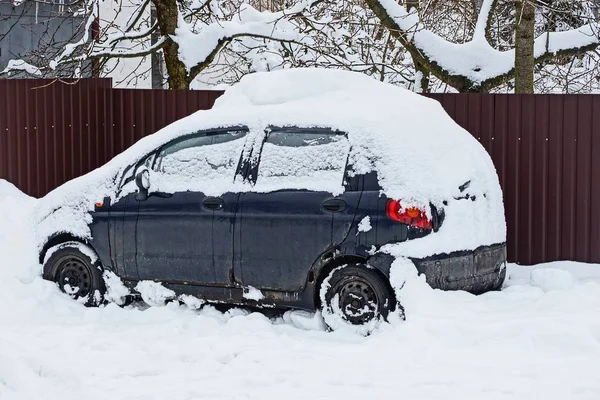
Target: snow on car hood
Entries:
(421, 155)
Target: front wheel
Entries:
(72, 267)
(357, 298)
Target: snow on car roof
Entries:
(420, 154)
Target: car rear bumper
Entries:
(477, 271)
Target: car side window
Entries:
(303, 160)
(204, 162)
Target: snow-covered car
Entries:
(301, 189)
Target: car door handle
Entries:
(213, 203)
(334, 205)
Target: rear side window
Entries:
(299, 160)
(199, 163)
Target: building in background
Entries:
(37, 29)
(33, 30)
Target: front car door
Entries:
(175, 228)
(289, 218)
(123, 221)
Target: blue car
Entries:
(271, 216)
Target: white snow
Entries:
(549, 279)
(85, 249)
(193, 303)
(20, 65)
(304, 320)
(365, 224)
(313, 166)
(16, 240)
(520, 343)
(252, 293)
(583, 272)
(154, 293)
(209, 169)
(116, 291)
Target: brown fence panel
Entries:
(51, 132)
(546, 149)
(138, 113)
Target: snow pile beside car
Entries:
(521, 343)
(16, 242)
(420, 154)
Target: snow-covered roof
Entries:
(420, 153)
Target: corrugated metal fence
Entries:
(51, 132)
(545, 148)
(138, 113)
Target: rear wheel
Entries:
(72, 268)
(355, 297)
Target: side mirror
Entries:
(142, 180)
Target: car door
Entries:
(123, 220)
(289, 218)
(176, 224)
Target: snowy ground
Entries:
(537, 339)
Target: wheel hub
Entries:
(74, 278)
(358, 302)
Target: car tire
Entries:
(357, 298)
(71, 267)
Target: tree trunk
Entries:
(476, 4)
(410, 4)
(156, 58)
(422, 78)
(166, 13)
(524, 39)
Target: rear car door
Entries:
(184, 230)
(296, 211)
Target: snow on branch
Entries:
(475, 64)
(91, 10)
(20, 65)
(198, 42)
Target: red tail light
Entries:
(410, 216)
